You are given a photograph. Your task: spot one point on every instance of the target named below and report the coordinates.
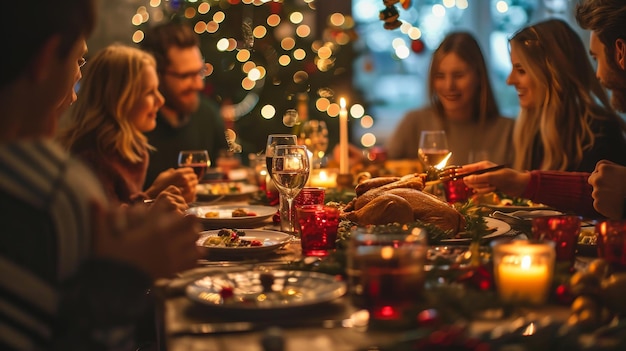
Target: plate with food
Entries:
(232, 216)
(501, 202)
(265, 291)
(495, 228)
(224, 190)
(241, 242)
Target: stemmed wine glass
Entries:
(197, 159)
(433, 151)
(290, 172)
(274, 140)
(314, 134)
(433, 148)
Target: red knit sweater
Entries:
(565, 191)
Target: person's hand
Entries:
(172, 199)
(184, 178)
(507, 180)
(609, 189)
(471, 167)
(155, 240)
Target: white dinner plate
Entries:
(289, 290)
(500, 227)
(511, 208)
(270, 239)
(225, 219)
(224, 190)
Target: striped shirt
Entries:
(45, 202)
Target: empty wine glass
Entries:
(433, 148)
(314, 134)
(197, 159)
(290, 172)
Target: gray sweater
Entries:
(463, 137)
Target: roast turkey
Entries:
(385, 200)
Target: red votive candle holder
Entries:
(611, 243)
(317, 225)
(562, 230)
(309, 196)
(457, 191)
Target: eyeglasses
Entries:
(202, 73)
(81, 62)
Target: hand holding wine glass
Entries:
(290, 172)
(196, 159)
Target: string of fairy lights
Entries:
(271, 37)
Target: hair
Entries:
(570, 97)
(111, 84)
(606, 18)
(68, 19)
(465, 46)
(160, 38)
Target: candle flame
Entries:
(526, 262)
(323, 175)
(342, 103)
(443, 162)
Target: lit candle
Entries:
(523, 270)
(323, 178)
(343, 138)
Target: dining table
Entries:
(184, 324)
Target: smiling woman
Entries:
(462, 104)
(117, 102)
(566, 122)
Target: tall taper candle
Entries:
(344, 165)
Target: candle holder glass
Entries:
(523, 270)
(386, 273)
(611, 241)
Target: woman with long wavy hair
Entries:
(117, 102)
(566, 122)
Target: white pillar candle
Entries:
(343, 138)
(523, 270)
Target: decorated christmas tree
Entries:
(265, 58)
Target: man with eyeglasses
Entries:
(189, 120)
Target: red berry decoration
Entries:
(563, 294)
(417, 46)
(480, 278)
(276, 218)
(227, 292)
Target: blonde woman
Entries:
(461, 103)
(566, 122)
(117, 102)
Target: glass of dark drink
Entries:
(196, 159)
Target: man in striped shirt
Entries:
(73, 273)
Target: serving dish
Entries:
(265, 291)
(499, 228)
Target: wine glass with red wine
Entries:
(196, 159)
